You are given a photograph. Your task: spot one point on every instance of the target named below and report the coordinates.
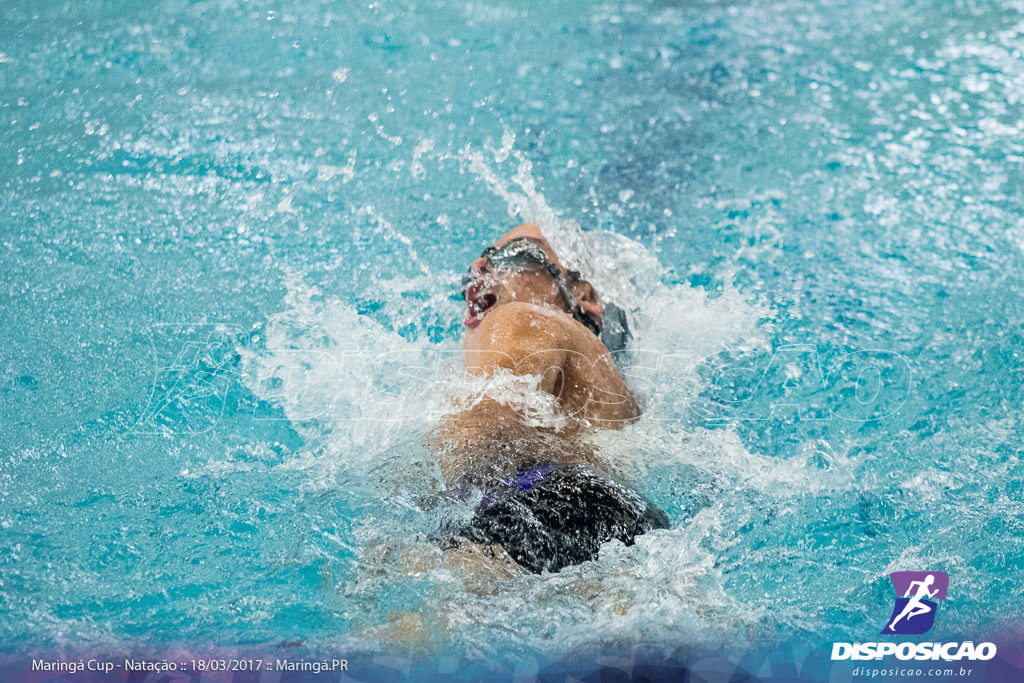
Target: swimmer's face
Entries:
(493, 284)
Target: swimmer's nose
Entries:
(481, 266)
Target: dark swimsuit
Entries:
(553, 516)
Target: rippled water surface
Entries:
(231, 237)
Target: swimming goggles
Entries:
(521, 253)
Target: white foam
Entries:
(363, 397)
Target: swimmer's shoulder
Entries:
(516, 332)
(531, 339)
(535, 326)
(547, 337)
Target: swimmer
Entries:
(547, 499)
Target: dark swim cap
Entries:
(614, 328)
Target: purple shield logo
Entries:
(917, 596)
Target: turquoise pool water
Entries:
(231, 237)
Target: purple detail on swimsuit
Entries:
(525, 480)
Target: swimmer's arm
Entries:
(527, 340)
(513, 338)
(509, 344)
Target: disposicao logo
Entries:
(917, 596)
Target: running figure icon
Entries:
(915, 607)
(917, 595)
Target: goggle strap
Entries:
(577, 311)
